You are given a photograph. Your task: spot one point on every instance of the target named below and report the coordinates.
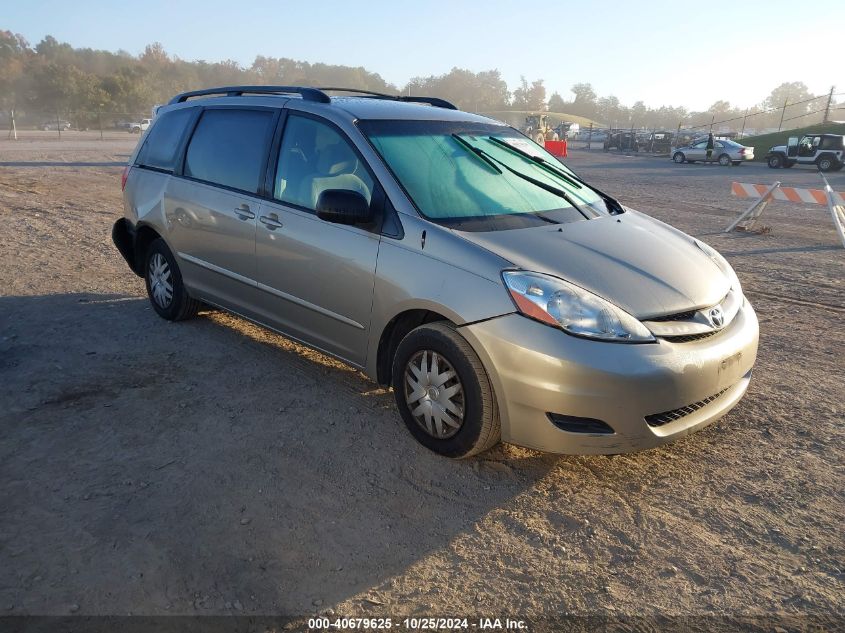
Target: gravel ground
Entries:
(213, 467)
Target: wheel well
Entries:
(143, 238)
(393, 334)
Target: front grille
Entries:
(680, 316)
(686, 338)
(660, 419)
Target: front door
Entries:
(807, 148)
(315, 278)
(697, 151)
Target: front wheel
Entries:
(443, 392)
(775, 162)
(165, 289)
(679, 157)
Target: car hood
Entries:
(645, 267)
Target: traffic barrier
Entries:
(764, 194)
(556, 148)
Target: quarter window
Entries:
(228, 148)
(315, 157)
(159, 150)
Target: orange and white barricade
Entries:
(764, 194)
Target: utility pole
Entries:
(712, 121)
(783, 112)
(744, 119)
(826, 118)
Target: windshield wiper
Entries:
(480, 153)
(537, 183)
(539, 161)
(609, 201)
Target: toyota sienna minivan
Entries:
(443, 254)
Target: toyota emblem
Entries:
(717, 317)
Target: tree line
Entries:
(55, 79)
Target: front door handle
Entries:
(244, 213)
(271, 221)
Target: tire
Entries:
(472, 394)
(679, 157)
(826, 163)
(164, 284)
(775, 161)
(724, 160)
(540, 139)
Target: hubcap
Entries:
(160, 280)
(434, 394)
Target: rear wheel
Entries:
(443, 393)
(679, 157)
(827, 163)
(775, 161)
(165, 289)
(724, 160)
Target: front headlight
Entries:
(722, 263)
(561, 304)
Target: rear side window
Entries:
(229, 148)
(159, 149)
(831, 142)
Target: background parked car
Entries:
(55, 125)
(724, 152)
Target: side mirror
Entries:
(343, 206)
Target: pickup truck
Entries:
(138, 127)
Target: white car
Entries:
(137, 128)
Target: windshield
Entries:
(478, 177)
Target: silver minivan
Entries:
(444, 254)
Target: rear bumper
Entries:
(537, 370)
(123, 236)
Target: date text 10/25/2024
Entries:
(417, 624)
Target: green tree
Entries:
(529, 96)
(585, 100)
(556, 103)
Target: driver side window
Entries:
(314, 157)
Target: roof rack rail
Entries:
(433, 101)
(309, 94)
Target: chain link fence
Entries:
(41, 124)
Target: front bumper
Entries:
(536, 370)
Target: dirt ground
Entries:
(213, 467)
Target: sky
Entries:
(660, 52)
